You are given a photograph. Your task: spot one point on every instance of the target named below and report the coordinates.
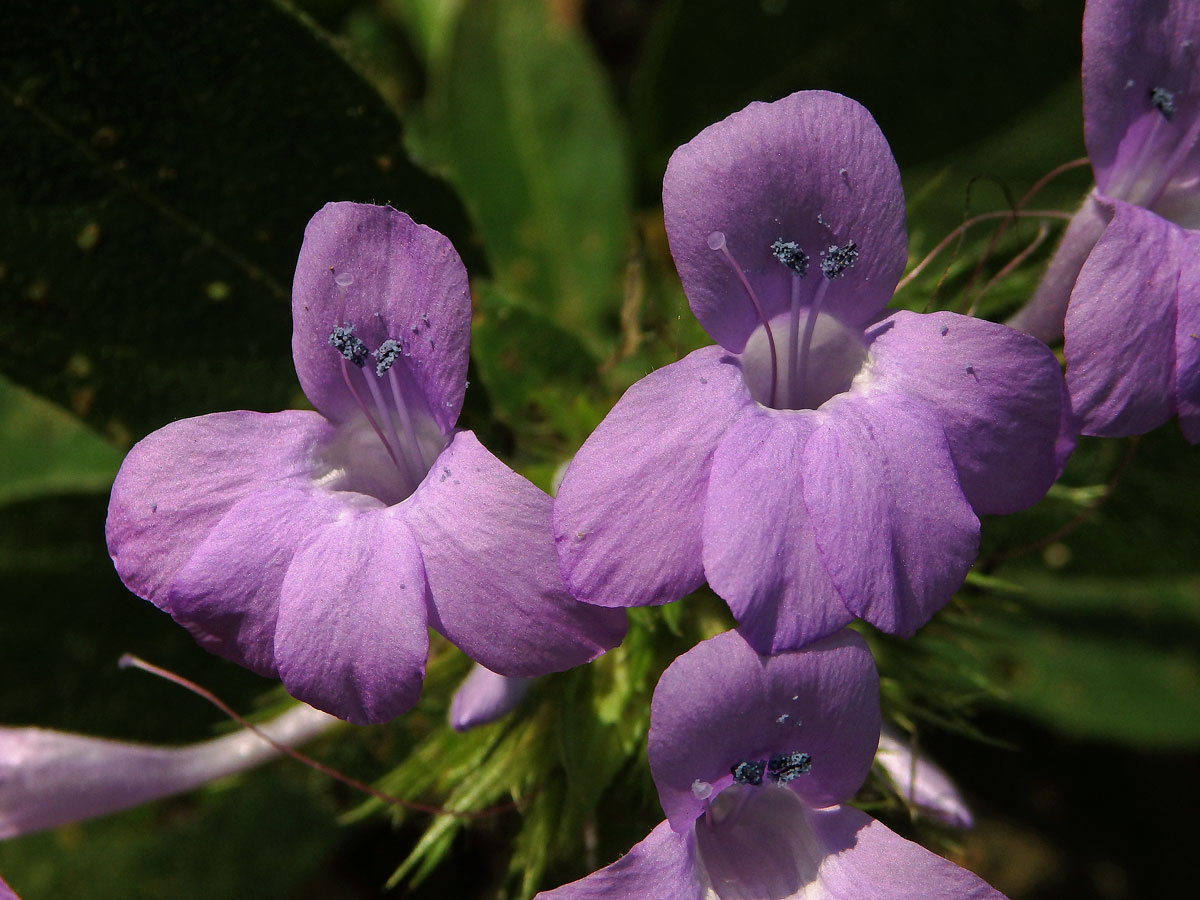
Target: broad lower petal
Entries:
(1121, 324)
(176, 485)
(722, 703)
(376, 269)
(227, 594)
(760, 552)
(996, 393)
(627, 518)
(494, 584)
(863, 858)
(895, 533)
(484, 697)
(661, 867)
(351, 637)
(50, 778)
(812, 168)
(1131, 50)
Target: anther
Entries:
(716, 240)
(1164, 101)
(790, 254)
(388, 352)
(342, 340)
(747, 772)
(836, 260)
(343, 279)
(784, 767)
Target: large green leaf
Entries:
(46, 450)
(161, 162)
(1109, 658)
(520, 119)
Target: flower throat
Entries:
(802, 357)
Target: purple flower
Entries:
(1124, 286)
(50, 778)
(6, 893)
(831, 465)
(754, 758)
(921, 782)
(317, 546)
(484, 697)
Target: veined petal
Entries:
(176, 485)
(760, 552)
(376, 269)
(895, 533)
(627, 519)
(863, 858)
(1187, 348)
(813, 169)
(921, 782)
(721, 703)
(1132, 48)
(352, 637)
(50, 778)
(1121, 331)
(484, 697)
(1042, 317)
(996, 393)
(227, 595)
(494, 585)
(661, 867)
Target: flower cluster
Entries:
(825, 460)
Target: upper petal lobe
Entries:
(376, 269)
(812, 168)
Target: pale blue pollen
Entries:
(389, 351)
(342, 340)
(1164, 101)
(790, 254)
(785, 767)
(836, 260)
(747, 772)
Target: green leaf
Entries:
(521, 121)
(46, 450)
(1108, 658)
(163, 160)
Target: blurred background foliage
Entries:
(160, 161)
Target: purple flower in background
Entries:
(921, 782)
(484, 697)
(6, 893)
(821, 463)
(754, 758)
(1124, 286)
(318, 546)
(49, 778)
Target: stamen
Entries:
(343, 279)
(387, 354)
(790, 254)
(747, 772)
(1164, 101)
(342, 340)
(836, 260)
(785, 767)
(716, 241)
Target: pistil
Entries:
(716, 241)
